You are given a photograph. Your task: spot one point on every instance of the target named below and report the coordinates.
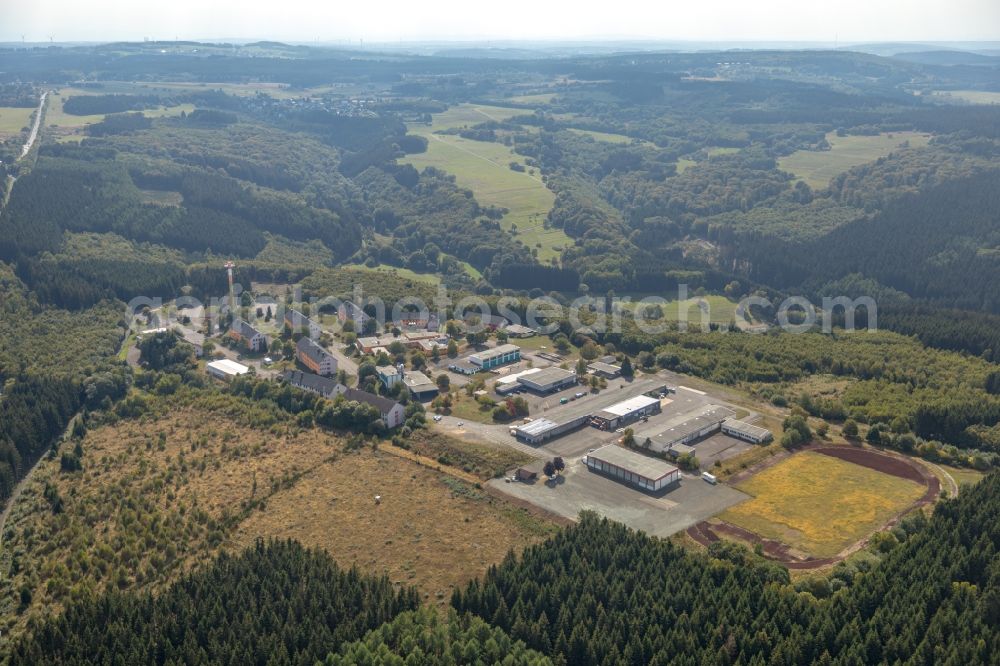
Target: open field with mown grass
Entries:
(13, 119)
(484, 168)
(818, 504)
(818, 167)
(163, 493)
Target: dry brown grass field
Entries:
(820, 505)
(160, 495)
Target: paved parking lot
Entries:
(663, 514)
(718, 447)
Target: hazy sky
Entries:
(409, 20)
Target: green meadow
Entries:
(484, 168)
(818, 167)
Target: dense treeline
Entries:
(936, 244)
(527, 277)
(33, 414)
(424, 637)
(218, 213)
(599, 593)
(276, 603)
(122, 123)
(429, 208)
(92, 105)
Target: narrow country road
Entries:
(34, 128)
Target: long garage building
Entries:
(625, 412)
(632, 468)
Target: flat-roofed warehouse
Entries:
(746, 431)
(548, 380)
(632, 468)
(510, 382)
(542, 429)
(695, 426)
(625, 412)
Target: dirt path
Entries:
(894, 464)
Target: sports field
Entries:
(819, 504)
(484, 168)
(818, 167)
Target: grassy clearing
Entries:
(161, 197)
(683, 164)
(963, 475)
(971, 96)
(719, 310)
(468, 409)
(161, 495)
(603, 136)
(14, 119)
(484, 168)
(819, 504)
(818, 167)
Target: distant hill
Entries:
(948, 58)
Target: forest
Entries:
(596, 593)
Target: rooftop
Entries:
(692, 423)
(228, 367)
(537, 427)
(650, 468)
(604, 367)
(418, 381)
(499, 350)
(514, 376)
(549, 375)
(626, 407)
(744, 427)
(311, 349)
(245, 329)
(379, 402)
(307, 380)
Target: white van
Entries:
(709, 477)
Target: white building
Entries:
(226, 369)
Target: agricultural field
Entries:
(818, 167)
(484, 168)
(159, 496)
(818, 504)
(14, 119)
